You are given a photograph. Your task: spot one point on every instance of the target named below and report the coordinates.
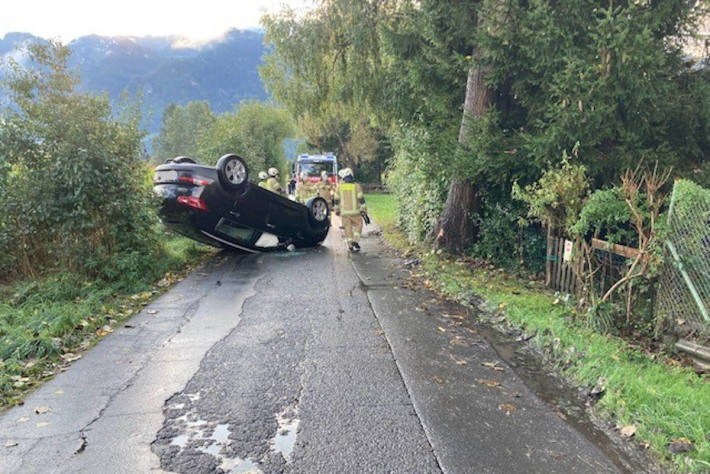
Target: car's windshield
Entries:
(315, 168)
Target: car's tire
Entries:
(317, 211)
(232, 172)
(183, 159)
(321, 237)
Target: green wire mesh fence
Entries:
(683, 298)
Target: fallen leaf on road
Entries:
(10, 444)
(489, 383)
(454, 316)
(379, 332)
(59, 392)
(439, 380)
(459, 361)
(680, 445)
(441, 329)
(23, 419)
(506, 408)
(628, 431)
(458, 341)
(70, 357)
(493, 365)
(41, 410)
(42, 424)
(152, 311)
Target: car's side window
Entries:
(235, 231)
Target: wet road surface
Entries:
(305, 362)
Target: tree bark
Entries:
(456, 229)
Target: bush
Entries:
(504, 241)
(417, 179)
(72, 183)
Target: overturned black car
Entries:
(219, 206)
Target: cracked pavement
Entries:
(311, 361)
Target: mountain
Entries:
(163, 69)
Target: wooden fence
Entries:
(565, 266)
(559, 271)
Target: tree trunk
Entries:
(455, 228)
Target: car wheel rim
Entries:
(235, 171)
(320, 210)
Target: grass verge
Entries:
(46, 323)
(663, 404)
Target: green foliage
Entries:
(182, 131)
(606, 215)
(556, 199)
(46, 316)
(326, 68)
(256, 132)
(73, 192)
(608, 76)
(502, 240)
(687, 198)
(417, 179)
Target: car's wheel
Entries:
(183, 159)
(232, 171)
(317, 211)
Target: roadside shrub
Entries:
(504, 241)
(606, 215)
(416, 177)
(73, 190)
(557, 198)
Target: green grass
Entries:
(64, 313)
(382, 208)
(664, 401)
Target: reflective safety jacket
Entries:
(273, 185)
(304, 191)
(325, 190)
(350, 200)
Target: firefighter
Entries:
(325, 188)
(273, 184)
(262, 179)
(349, 203)
(304, 189)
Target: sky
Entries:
(197, 20)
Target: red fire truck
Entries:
(314, 165)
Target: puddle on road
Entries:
(180, 440)
(285, 438)
(237, 465)
(221, 433)
(219, 439)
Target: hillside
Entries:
(222, 72)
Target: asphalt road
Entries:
(305, 362)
